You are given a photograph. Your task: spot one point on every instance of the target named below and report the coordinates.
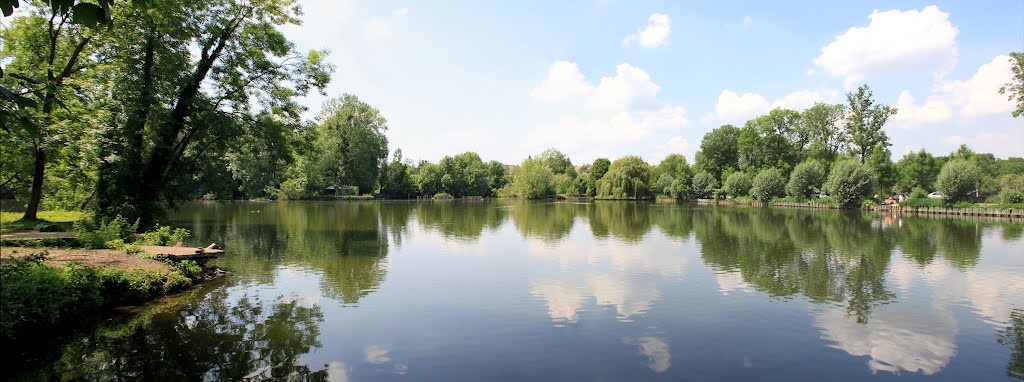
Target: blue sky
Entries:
(610, 78)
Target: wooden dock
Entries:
(184, 253)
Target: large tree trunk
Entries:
(37, 185)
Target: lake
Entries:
(606, 291)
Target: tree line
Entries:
(128, 108)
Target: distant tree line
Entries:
(127, 108)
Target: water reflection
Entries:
(219, 337)
(353, 291)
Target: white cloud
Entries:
(377, 354)
(894, 41)
(659, 357)
(748, 21)
(402, 12)
(618, 110)
(910, 115)
(980, 94)
(707, 119)
(377, 31)
(653, 35)
(736, 107)
(798, 100)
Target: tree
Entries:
(806, 179)
(627, 178)
(849, 182)
(258, 161)
(53, 48)
(768, 184)
(916, 170)
(957, 179)
(556, 161)
(704, 185)
(1014, 89)
(497, 176)
(350, 139)
(767, 142)
(880, 161)
(865, 121)
(533, 179)
(396, 178)
(675, 166)
(464, 175)
(823, 123)
(663, 186)
(599, 168)
(187, 78)
(737, 184)
(719, 151)
(428, 179)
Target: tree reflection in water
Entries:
(219, 337)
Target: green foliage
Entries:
(599, 168)
(737, 185)
(957, 178)
(627, 178)
(806, 179)
(768, 184)
(923, 202)
(190, 269)
(919, 193)
(850, 182)
(719, 151)
(827, 138)
(36, 296)
(1014, 90)
(163, 235)
(106, 234)
(865, 122)
(1011, 196)
(915, 170)
(771, 141)
(704, 185)
(396, 179)
(533, 179)
(557, 162)
(1012, 182)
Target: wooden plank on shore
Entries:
(183, 252)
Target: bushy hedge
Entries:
(849, 182)
(737, 185)
(704, 185)
(957, 178)
(768, 184)
(806, 178)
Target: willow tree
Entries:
(627, 178)
(189, 77)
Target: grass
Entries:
(46, 220)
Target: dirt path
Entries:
(89, 257)
(34, 235)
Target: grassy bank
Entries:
(41, 291)
(47, 220)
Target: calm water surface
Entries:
(574, 292)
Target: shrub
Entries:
(737, 185)
(849, 182)
(442, 196)
(189, 269)
(923, 202)
(1011, 196)
(106, 234)
(163, 235)
(33, 295)
(919, 193)
(957, 178)
(704, 185)
(767, 184)
(806, 178)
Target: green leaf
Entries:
(90, 15)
